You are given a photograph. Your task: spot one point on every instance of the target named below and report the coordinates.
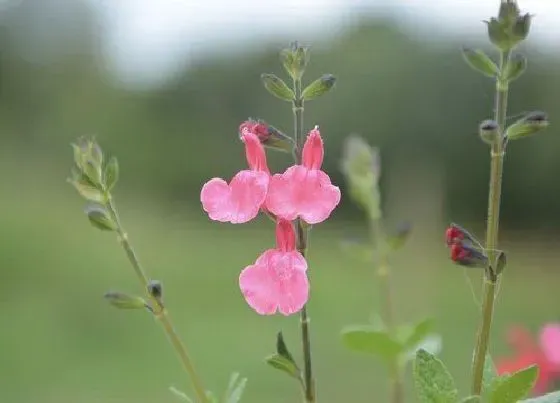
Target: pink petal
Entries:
(238, 202)
(285, 236)
(321, 196)
(215, 198)
(313, 150)
(280, 195)
(276, 282)
(550, 342)
(254, 151)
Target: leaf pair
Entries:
(233, 393)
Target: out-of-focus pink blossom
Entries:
(240, 200)
(528, 352)
(304, 190)
(277, 281)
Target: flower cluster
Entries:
(464, 249)
(277, 281)
(545, 354)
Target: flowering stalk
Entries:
(302, 237)
(492, 225)
(157, 307)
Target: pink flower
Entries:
(241, 199)
(304, 190)
(277, 281)
(528, 352)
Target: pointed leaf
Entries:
(432, 344)
(111, 174)
(100, 218)
(479, 61)
(413, 335)
(515, 68)
(284, 365)
(282, 349)
(366, 339)
(277, 87)
(489, 375)
(124, 301)
(527, 126)
(553, 397)
(514, 387)
(235, 388)
(432, 380)
(500, 264)
(180, 395)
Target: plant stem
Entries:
(384, 276)
(159, 310)
(302, 234)
(492, 227)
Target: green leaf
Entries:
(500, 264)
(180, 395)
(479, 61)
(514, 387)
(111, 174)
(284, 365)
(553, 397)
(282, 349)
(432, 380)
(369, 340)
(531, 124)
(100, 218)
(319, 87)
(471, 399)
(413, 335)
(515, 68)
(125, 301)
(235, 388)
(489, 375)
(277, 87)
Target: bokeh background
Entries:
(163, 85)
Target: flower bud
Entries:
(155, 289)
(515, 68)
(111, 173)
(465, 254)
(277, 87)
(268, 135)
(295, 60)
(100, 218)
(510, 28)
(479, 61)
(319, 87)
(88, 158)
(489, 131)
(528, 125)
(124, 301)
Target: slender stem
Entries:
(302, 243)
(492, 227)
(384, 276)
(159, 310)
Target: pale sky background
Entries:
(148, 39)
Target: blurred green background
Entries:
(414, 98)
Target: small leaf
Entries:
(531, 124)
(235, 388)
(433, 344)
(277, 87)
(182, 396)
(377, 323)
(418, 333)
(319, 87)
(432, 380)
(515, 68)
(489, 374)
(553, 397)
(479, 61)
(125, 301)
(282, 349)
(284, 365)
(365, 339)
(87, 191)
(514, 387)
(111, 174)
(471, 399)
(100, 218)
(500, 264)
(399, 237)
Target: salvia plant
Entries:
(303, 196)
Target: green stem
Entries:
(492, 227)
(302, 235)
(159, 310)
(384, 276)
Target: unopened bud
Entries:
(510, 28)
(319, 87)
(88, 158)
(521, 27)
(295, 60)
(155, 289)
(268, 135)
(100, 218)
(515, 67)
(528, 125)
(489, 131)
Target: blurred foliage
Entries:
(411, 98)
